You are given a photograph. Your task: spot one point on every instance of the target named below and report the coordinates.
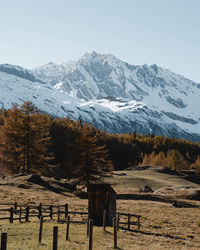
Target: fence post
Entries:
(129, 226)
(40, 230)
(11, 215)
(27, 214)
(104, 220)
(15, 207)
(55, 238)
(58, 212)
(20, 215)
(66, 210)
(67, 229)
(138, 222)
(115, 232)
(117, 221)
(51, 212)
(3, 241)
(40, 210)
(90, 234)
(88, 224)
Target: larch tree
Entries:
(91, 162)
(10, 139)
(25, 140)
(177, 161)
(196, 166)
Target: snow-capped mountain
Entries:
(109, 93)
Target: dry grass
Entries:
(163, 226)
(129, 181)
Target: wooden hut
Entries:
(101, 197)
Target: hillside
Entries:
(111, 94)
(163, 226)
(162, 183)
(32, 188)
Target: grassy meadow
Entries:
(163, 226)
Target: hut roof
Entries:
(102, 186)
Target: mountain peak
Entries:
(93, 55)
(109, 93)
(18, 71)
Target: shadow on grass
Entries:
(36, 179)
(154, 234)
(107, 232)
(42, 244)
(151, 197)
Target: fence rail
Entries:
(132, 215)
(5, 210)
(25, 212)
(128, 218)
(21, 212)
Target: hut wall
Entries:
(111, 208)
(100, 198)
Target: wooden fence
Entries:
(25, 212)
(126, 219)
(52, 212)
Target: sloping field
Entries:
(130, 181)
(163, 226)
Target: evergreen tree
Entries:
(64, 134)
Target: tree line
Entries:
(34, 142)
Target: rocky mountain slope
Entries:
(109, 93)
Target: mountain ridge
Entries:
(111, 94)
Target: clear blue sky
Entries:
(164, 32)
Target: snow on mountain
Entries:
(18, 71)
(109, 93)
(52, 72)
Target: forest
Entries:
(34, 142)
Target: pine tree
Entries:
(64, 134)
